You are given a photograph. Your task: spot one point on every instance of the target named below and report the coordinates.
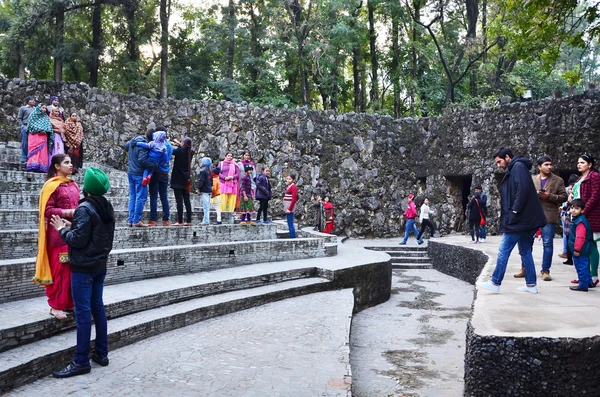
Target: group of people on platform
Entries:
(45, 131)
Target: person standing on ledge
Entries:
(551, 192)
(521, 215)
(90, 239)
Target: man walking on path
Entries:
(551, 192)
(137, 158)
(90, 239)
(22, 119)
(521, 215)
(410, 214)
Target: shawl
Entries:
(43, 275)
(58, 125)
(73, 133)
(39, 121)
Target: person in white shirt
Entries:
(424, 219)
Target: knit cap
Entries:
(206, 162)
(95, 181)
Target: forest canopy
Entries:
(400, 57)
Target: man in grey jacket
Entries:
(22, 119)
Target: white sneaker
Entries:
(531, 290)
(489, 285)
(482, 240)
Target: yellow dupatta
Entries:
(43, 275)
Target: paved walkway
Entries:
(296, 347)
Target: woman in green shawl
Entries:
(41, 139)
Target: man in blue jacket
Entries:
(138, 194)
(521, 216)
(159, 185)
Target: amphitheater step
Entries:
(15, 244)
(425, 265)
(397, 248)
(412, 259)
(38, 359)
(28, 320)
(127, 265)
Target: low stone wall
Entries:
(459, 262)
(531, 367)
(127, 265)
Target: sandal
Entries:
(58, 314)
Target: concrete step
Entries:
(13, 173)
(406, 254)
(397, 248)
(27, 363)
(27, 321)
(29, 187)
(409, 260)
(127, 265)
(412, 266)
(15, 244)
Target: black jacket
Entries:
(90, 237)
(181, 168)
(473, 208)
(517, 193)
(137, 157)
(205, 181)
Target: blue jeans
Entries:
(582, 265)
(410, 226)
(509, 240)
(548, 242)
(290, 221)
(565, 236)
(138, 195)
(482, 232)
(87, 295)
(24, 144)
(158, 187)
(206, 207)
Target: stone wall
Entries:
(368, 163)
(462, 263)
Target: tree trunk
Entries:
(356, 55)
(96, 45)
(374, 95)
(395, 64)
(334, 85)
(484, 28)
(130, 7)
(472, 15)
(255, 49)
(59, 34)
(231, 24)
(303, 75)
(165, 6)
(414, 58)
(21, 61)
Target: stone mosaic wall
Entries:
(368, 163)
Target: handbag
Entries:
(188, 184)
(482, 220)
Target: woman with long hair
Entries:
(40, 139)
(73, 138)
(587, 188)
(179, 180)
(59, 196)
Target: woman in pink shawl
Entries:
(230, 180)
(58, 125)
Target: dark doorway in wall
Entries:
(459, 187)
(565, 174)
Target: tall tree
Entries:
(302, 25)
(374, 94)
(165, 12)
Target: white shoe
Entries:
(489, 285)
(531, 290)
(482, 240)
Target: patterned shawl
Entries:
(73, 133)
(58, 124)
(38, 121)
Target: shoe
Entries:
(152, 223)
(568, 262)
(140, 224)
(129, 224)
(402, 243)
(219, 222)
(165, 223)
(177, 224)
(574, 281)
(187, 224)
(58, 314)
(482, 240)
(546, 275)
(592, 285)
(595, 282)
(578, 288)
(205, 224)
(489, 285)
(252, 223)
(72, 369)
(267, 222)
(531, 290)
(472, 242)
(258, 223)
(102, 361)
(146, 181)
(242, 222)
(563, 255)
(521, 274)
(420, 242)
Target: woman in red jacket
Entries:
(587, 188)
(289, 202)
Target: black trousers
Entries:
(474, 229)
(262, 208)
(424, 224)
(183, 197)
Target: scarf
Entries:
(43, 275)
(58, 125)
(39, 121)
(73, 133)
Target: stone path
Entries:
(413, 344)
(296, 347)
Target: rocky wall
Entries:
(367, 163)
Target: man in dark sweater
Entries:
(22, 119)
(137, 161)
(90, 238)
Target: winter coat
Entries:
(581, 239)
(205, 181)
(181, 168)
(263, 188)
(137, 157)
(590, 192)
(517, 193)
(90, 237)
(474, 207)
(555, 185)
